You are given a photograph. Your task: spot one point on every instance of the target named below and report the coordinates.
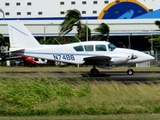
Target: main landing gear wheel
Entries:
(94, 71)
(130, 72)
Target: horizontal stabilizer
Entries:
(9, 58)
(16, 49)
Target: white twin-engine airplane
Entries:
(97, 53)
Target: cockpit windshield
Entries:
(111, 47)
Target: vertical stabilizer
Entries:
(20, 37)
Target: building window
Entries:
(39, 13)
(84, 2)
(73, 3)
(94, 12)
(117, 1)
(61, 3)
(18, 13)
(95, 2)
(139, 11)
(106, 2)
(105, 12)
(116, 11)
(29, 3)
(28, 13)
(150, 10)
(62, 12)
(18, 4)
(6, 4)
(83, 12)
(128, 11)
(6, 13)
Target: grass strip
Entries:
(51, 96)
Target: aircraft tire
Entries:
(94, 71)
(130, 72)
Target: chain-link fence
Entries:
(152, 63)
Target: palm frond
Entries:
(72, 19)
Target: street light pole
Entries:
(152, 51)
(44, 32)
(129, 40)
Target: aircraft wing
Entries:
(97, 60)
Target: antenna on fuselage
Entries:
(77, 39)
(57, 41)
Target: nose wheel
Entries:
(130, 71)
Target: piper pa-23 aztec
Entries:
(97, 53)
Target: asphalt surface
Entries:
(103, 76)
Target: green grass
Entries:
(51, 96)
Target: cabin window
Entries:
(88, 47)
(35, 59)
(101, 48)
(111, 47)
(43, 60)
(78, 48)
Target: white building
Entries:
(124, 17)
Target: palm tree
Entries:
(83, 36)
(72, 19)
(103, 29)
(157, 23)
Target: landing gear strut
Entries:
(130, 71)
(94, 71)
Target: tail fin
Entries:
(20, 37)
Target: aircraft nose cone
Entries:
(151, 57)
